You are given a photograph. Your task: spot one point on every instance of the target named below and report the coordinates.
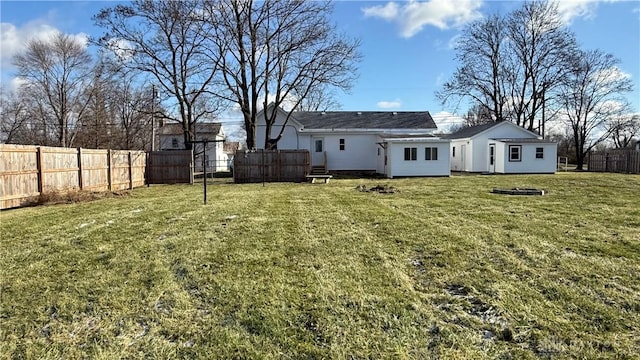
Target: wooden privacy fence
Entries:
(28, 171)
(618, 161)
(270, 166)
(170, 167)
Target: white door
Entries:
(317, 151)
(492, 158)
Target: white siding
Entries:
(289, 138)
(398, 166)
(477, 152)
(529, 163)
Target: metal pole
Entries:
(153, 124)
(204, 166)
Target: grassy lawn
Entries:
(442, 268)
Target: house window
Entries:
(453, 154)
(431, 153)
(341, 144)
(174, 143)
(410, 153)
(378, 151)
(514, 152)
(539, 153)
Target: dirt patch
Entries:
(380, 189)
(74, 196)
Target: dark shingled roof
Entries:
(365, 120)
(470, 131)
(203, 128)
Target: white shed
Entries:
(501, 147)
(405, 155)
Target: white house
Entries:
(172, 138)
(389, 143)
(501, 147)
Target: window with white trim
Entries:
(539, 153)
(341, 144)
(515, 152)
(454, 152)
(431, 153)
(174, 142)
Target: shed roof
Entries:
(470, 131)
(365, 120)
(524, 140)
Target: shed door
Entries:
(492, 158)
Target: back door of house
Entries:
(317, 151)
(492, 158)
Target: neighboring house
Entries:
(501, 147)
(389, 143)
(172, 138)
(638, 145)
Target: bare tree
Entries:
(14, 118)
(96, 130)
(510, 64)
(319, 99)
(169, 42)
(278, 52)
(591, 95)
(55, 74)
(482, 74)
(542, 46)
(623, 130)
(477, 115)
(130, 106)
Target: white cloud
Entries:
(571, 9)
(413, 16)
(389, 104)
(14, 39)
(387, 12)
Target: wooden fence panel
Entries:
(19, 175)
(170, 167)
(95, 169)
(138, 167)
(27, 171)
(271, 166)
(60, 171)
(618, 161)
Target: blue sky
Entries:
(405, 44)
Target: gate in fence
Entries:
(270, 166)
(170, 167)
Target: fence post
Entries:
(80, 182)
(109, 168)
(39, 169)
(130, 172)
